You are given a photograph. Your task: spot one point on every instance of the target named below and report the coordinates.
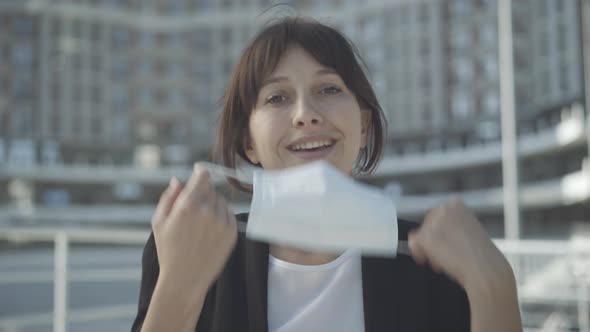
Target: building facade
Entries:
(114, 84)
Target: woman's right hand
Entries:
(194, 232)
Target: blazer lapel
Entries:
(393, 291)
(257, 285)
(379, 295)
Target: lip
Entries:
(314, 155)
(311, 138)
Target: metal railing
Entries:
(62, 240)
(547, 272)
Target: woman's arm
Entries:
(168, 310)
(451, 240)
(174, 309)
(493, 299)
(193, 236)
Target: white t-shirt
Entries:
(327, 297)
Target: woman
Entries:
(298, 94)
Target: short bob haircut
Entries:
(258, 61)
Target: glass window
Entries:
(202, 4)
(463, 69)
(490, 65)
(22, 89)
(488, 33)
(120, 67)
(146, 97)
(491, 103)
(176, 70)
(175, 98)
(120, 36)
(146, 68)
(116, 3)
(22, 55)
(177, 6)
(23, 26)
(460, 7)
(120, 95)
(120, 127)
(147, 40)
(460, 37)
(176, 42)
(22, 122)
(460, 104)
(202, 40)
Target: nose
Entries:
(305, 114)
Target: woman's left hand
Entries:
(451, 240)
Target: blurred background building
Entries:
(102, 101)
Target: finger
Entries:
(198, 186)
(167, 200)
(221, 209)
(416, 249)
(232, 223)
(177, 189)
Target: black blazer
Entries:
(398, 295)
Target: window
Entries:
(120, 96)
(202, 40)
(22, 121)
(460, 37)
(146, 68)
(22, 89)
(146, 97)
(459, 7)
(176, 42)
(202, 4)
(463, 69)
(147, 40)
(176, 98)
(120, 67)
(120, 127)
(460, 105)
(176, 71)
(120, 36)
(487, 34)
(177, 6)
(22, 55)
(491, 103)
(23, 27)
(424, 13)
(490, 66)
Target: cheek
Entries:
(264, 131)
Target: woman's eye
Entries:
(331, 90)
(275, 99)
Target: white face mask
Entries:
(316, 207)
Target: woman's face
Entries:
(304, 112)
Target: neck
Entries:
(301, 257)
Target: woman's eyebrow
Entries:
(277, 79)
(326, 71)
(272, 80)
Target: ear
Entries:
(249, 150)
(366, 117)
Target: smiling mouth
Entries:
(312, 146)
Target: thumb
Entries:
(416, 249)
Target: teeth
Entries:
(311, 145)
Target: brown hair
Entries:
(328, 47)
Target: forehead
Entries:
(297, 60)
